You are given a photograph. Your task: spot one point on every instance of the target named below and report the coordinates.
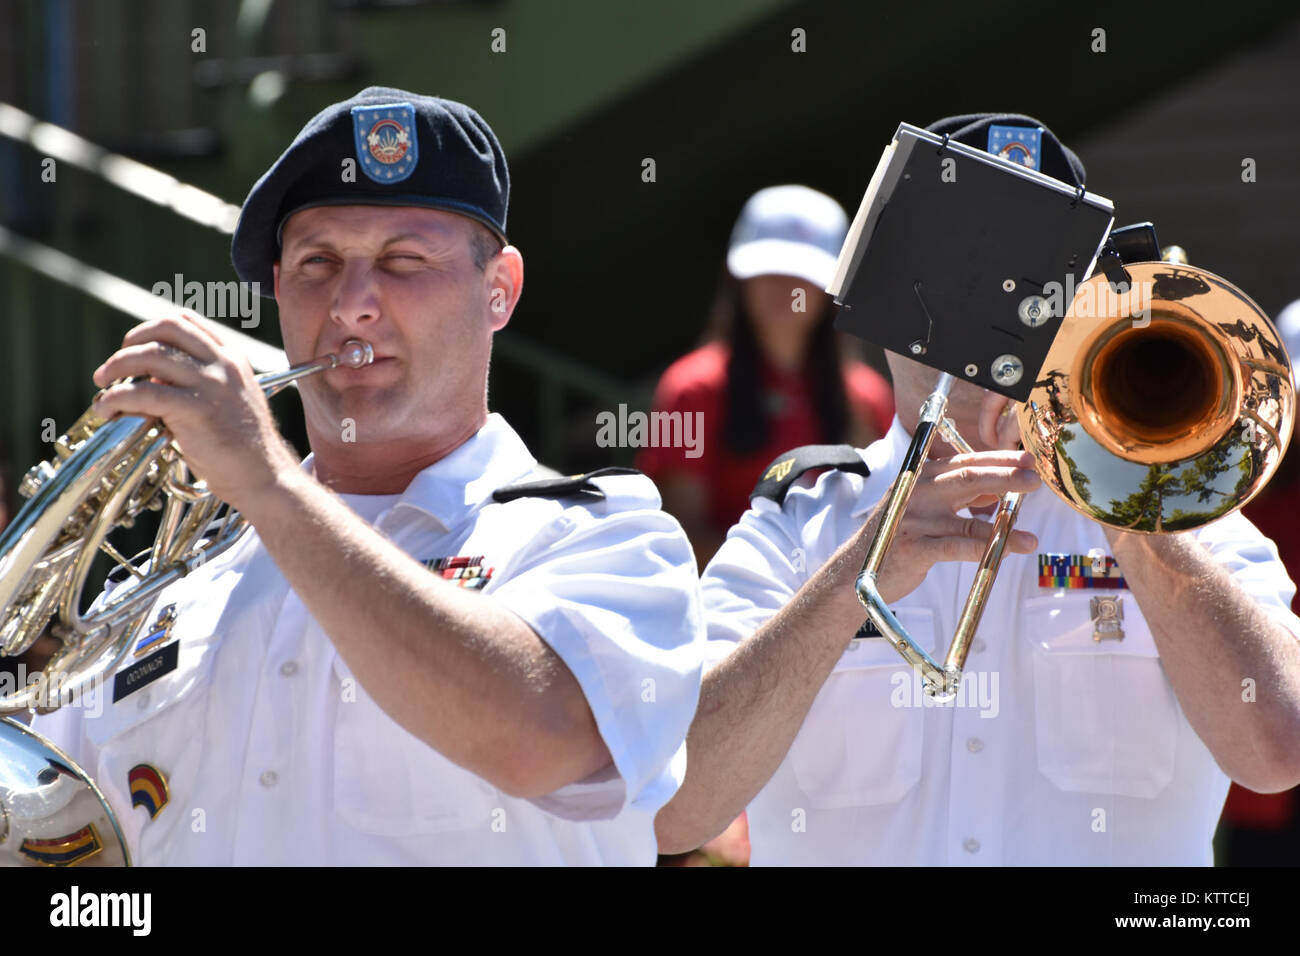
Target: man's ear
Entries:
(505, 283)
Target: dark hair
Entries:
(745, 425)
(483, 245)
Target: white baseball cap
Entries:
(789, 231)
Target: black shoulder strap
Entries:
(568, 486)
(118, 574)
(788, 468)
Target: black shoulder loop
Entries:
(569, 486)
(117, 574)
(788, 468)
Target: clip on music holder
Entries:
(963, 260)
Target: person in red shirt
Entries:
(775, 374)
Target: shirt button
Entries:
(971, 845)
(143, 702)
(288, 668)
(979, 646)
(974, 745)
(268, 778)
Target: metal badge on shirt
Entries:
(163, 656)
(149, 788)
(1096, 569)
(1107, 614)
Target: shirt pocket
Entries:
(388, 782)
(158, 724)
(1106, 718)
(860, 744)
(178, 690)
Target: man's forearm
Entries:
(753, 703)
(453, 667)
(1212, 638)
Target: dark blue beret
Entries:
(973, 130)
(409, 150)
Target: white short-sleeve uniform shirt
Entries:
(274, 754)
(1059, 749)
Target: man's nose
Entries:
(356, 299)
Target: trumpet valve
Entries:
(37, 475)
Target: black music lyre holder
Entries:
(965, 261)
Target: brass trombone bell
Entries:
(1159, 409)
(1167, 425)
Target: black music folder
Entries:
(954, 252)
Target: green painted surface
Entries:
(563, 59)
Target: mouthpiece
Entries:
(356, 353)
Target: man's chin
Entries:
(359, 414)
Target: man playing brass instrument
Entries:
(418, 655)
(1119, 681)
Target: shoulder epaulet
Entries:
(117, 574)
(567, 486)
(779, 476)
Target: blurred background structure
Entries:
(1187, 115)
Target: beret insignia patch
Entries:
(1018, 144)
(387, 145)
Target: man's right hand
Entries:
(930, 530)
